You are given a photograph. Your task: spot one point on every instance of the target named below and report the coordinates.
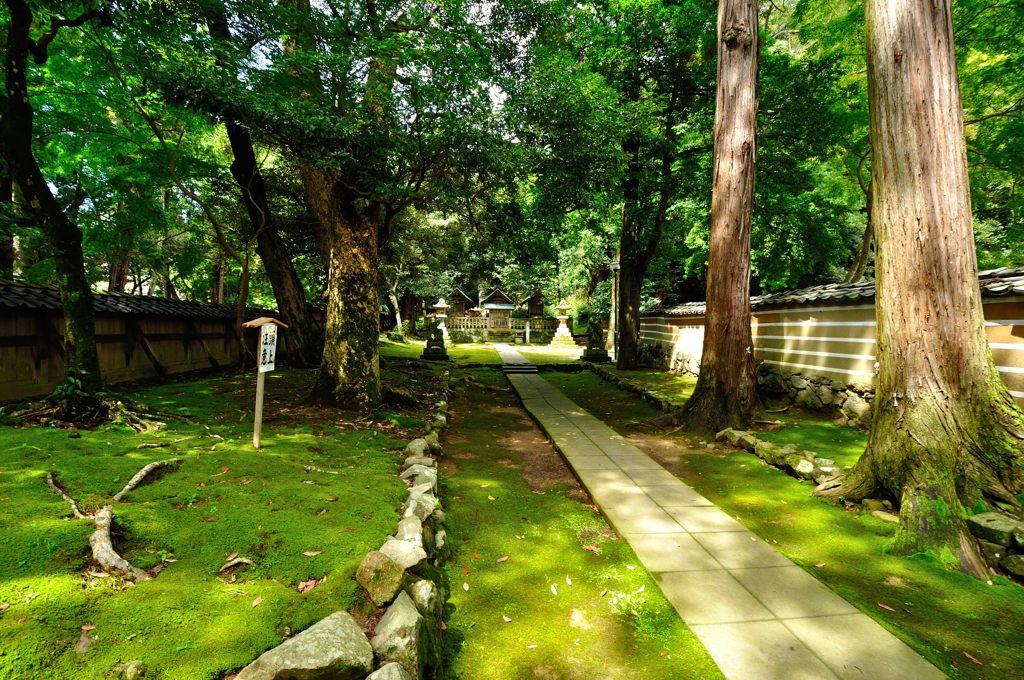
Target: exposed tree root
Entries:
(91, 411)
(103, 551)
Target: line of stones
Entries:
(402, 575)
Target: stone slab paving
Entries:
(758, 614)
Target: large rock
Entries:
(391, 671)
(411, 529)
(421, 475)
(426, 598)
(406, 554)
(994, 527)
(417, 447)
(333, 648)
(1014, 564)
(441, 546)
(804, 469)
(400, 635)
(825, 394)
(422, 502)
(425, 461)
(381, 576)
(886, 516)
(857, 408)
(775, 384)
(747, 441)
(798, 382)
(808, 399)
(433, 441)
(993, 552)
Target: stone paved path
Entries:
(758, 614)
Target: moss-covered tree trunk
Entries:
(350, 368)
(726, 390)
(63, 238)
(8, 210)
(946, 432)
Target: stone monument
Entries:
(563, 337)
(441, 313)
(595, 351)
(435, 350)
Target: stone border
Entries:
(402, 575)
(653, 398)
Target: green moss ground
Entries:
(543, 354)
(940, 613)
(611, 622)
(225, 498)
(460, 354)
(675, 389)
(841, 443)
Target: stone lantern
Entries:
(441, 313)
(563, 337)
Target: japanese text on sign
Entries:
(268, 347)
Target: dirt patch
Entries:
(671, 452)
(543, 467)
(463, 456)
(507, 462)
(448, 467)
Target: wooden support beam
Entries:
(143, 341)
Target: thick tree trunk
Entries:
(632, 268)
(8, 211)
(303, 338)
(630, 284)
(726, 390)
(409, 309)
(350, 369)
(117, 276)
(946, 432)
(64, 238)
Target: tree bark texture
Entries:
(946, 432)
(632, 268)
(860, 265)
(63, 237)
(726, 390)
(302, 336)
(350, 369)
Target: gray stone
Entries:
(837, 386)
(130, 670)
(421, 475)
(1014, 564)
(391, 671)
(872, 504)
(824, 462)
(993, 526)
(421, 502)
(747, 441)
(334, 648)
(406, 554)
(993, 552)
(804, 469)
(400, 635)
(798, 382)
(438, 516)
(411, 529)
(433, 441)
(424, 594)
(825, 395)
(381, 576)
(426, 461)
(775, 384)
(1018, 539)
(417, 447)
(857, 408)
(440, 422)
(808, 399)
(886, 516)
(441, 546)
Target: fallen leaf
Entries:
(321, 512)
(307, 481)
(664, 652)
(200, 485)
(256, 602)
(604, 592)
(531, 646)
(639, 590)
(491, 498)
(520, 537)
(444, 626)
(630, 567)
(568, 581)
(973, 660)
(465, 586)
(231, 557)
(593, 548)
(312, 553)
(885, 607)
(246, 481)
(819, 565)
(465, 571)
(554, 589)
(367, 517)
(476, 556)
(223, 471)
(503, 558)
(87, 627)
(506, 619)
(307, 586)
(24, 620)
(4, 606)
(330, 499)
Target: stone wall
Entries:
(848, 403)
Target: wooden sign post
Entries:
(266, 352)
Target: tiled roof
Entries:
(21, 296)
(993, 282)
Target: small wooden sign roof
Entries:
(260, 321)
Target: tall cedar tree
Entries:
(946, 433)
(64, 238)
(726, 391)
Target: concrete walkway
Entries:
(758, 614)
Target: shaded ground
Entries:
(573, 613)
(967, 628)
(671, 387)
(323, 484)
(461, 354)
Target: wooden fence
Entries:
(815, 335)
(136, 337)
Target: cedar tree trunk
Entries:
(946, 432)
(726, 390)
(63, 237)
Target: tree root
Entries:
(103, 551)
(92, 411)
